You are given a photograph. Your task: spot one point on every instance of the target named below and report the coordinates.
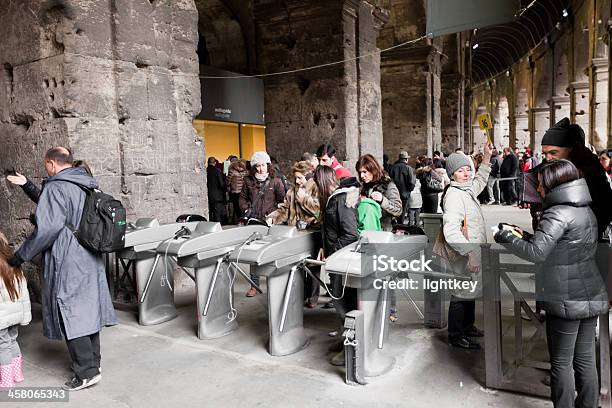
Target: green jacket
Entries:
(369, 215)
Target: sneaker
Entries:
(393, 317)
(464, 343)
(75, 384)
(329, 305)
(251, 292)
(474, 332)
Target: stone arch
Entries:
(223, 41)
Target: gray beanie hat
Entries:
(455, 161)
(260, 158)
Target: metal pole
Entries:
(246, 276)
(286, 298)
(146, 289)
(212, 286)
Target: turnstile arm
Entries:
(247, 277)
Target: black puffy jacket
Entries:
(568, 281)
(341, 219)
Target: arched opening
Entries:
(225, 48)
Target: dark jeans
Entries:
(430, 203)
(508, 192)
(236, 213)
(218, 212)
(461, 317)
(348, 301)
(571, 344)
(414, 216)
(85, 354)
(405, 210)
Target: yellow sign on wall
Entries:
(485, 121)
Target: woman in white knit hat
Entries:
(464, 229)
(261, 193)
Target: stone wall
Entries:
(423, 85)
(339, 104)
(117, 82)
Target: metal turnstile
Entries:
(214, 274)
(155, 295)
(278, 256)
(436, 303)
(366, 329)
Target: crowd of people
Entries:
(569, 204)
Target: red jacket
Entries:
(341, 171)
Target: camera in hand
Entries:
(514, 229)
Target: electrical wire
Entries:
(233, 313)
(329, 64)
(329, 292)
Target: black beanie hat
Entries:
(563, 134)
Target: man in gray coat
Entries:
(75, 297)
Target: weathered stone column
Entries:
(599, 137)
(411, 100)
(117, 82)
(338, 104)
(561, 108)
(579, 94)
(541, 119)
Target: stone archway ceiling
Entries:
(502, 45)
(224, 35)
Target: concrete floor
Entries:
(166, 364)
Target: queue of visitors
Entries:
(568, 193)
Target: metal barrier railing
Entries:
(500, 372)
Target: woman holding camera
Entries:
(568, 282)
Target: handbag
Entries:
(443, 249)
(433, 185)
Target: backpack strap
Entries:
(86, 190)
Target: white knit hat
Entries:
(260, 158)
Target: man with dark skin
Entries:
(566, 141)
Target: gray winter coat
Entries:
(74, 281)
(568, 281)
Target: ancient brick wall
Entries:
(339, 104)
(117, 82)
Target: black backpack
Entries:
(103, 223)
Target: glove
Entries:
(504, 237)
(15, 261)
